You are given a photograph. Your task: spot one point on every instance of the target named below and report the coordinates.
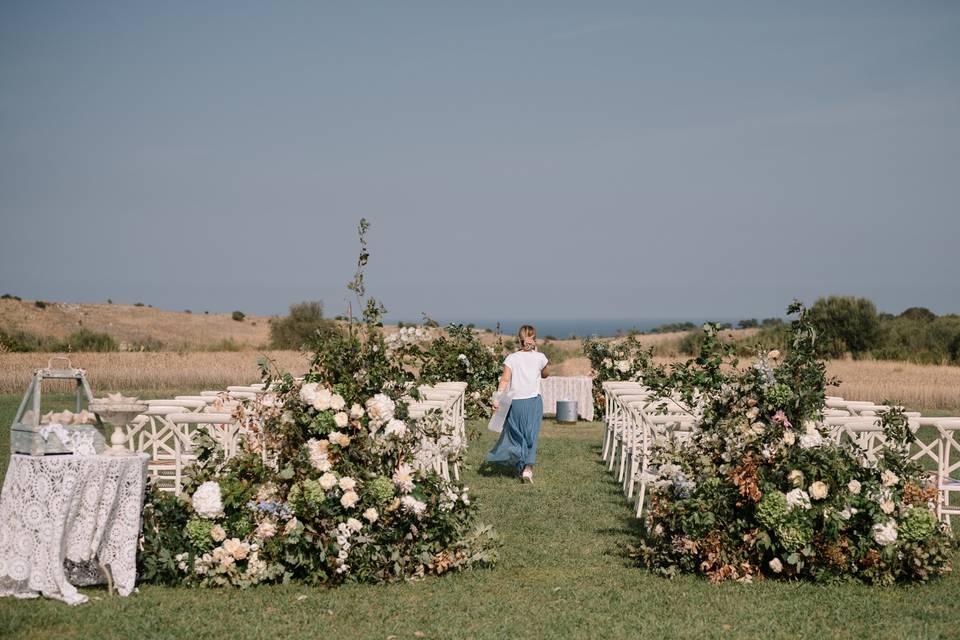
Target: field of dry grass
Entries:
(132, 325)
(110, 372)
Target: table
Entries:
(81, 509)
(579, 388)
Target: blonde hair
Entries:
(525, 332)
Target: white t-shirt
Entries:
(525, 368)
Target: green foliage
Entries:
(845, 324)
(673, 327)
(760, 490)
(751, 323)
(40, 304)
(238, 316)
(303, 326)
(87, 340)
(17, 341)
(9, 296)
(622, 359)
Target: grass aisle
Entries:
(561, 574)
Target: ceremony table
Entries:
(81, 509)
(579, 388)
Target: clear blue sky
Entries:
(516, 159)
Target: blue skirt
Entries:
(518, 440)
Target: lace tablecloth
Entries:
(81, 509)
(579, 388)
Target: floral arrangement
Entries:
(458, 354)
(761, 491)
(332, 483)
(615, 360)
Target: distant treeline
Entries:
(848, 325)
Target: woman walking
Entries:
(522, 371)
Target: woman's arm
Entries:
(504, 385)
(543, 372)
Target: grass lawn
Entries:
(562, 573)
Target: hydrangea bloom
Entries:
(206, 500)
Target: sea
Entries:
(580, 328)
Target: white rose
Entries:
(753, 413)
(328, 481)
(854, 487)
(887, 506)
(885, 533)
(337, 402)
(218, 533)
(773, 355)
(291, 526)
(317, 450)
(338, 438)
(608, 363)
(789, 438)
(356, 411)
(889, 478)
(796, 478)
(380, 409)
(266, 530)
(341, 419)
(371, 515)
(776, 566)
(819, 490)
(354, 525)
(623, 366)
(347, 483)
(349, 499)
(206, 500)
(236, 548)
(412, 505)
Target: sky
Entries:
(514, 159)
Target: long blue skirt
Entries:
(518, 440)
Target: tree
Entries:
(302, 326)
(919, 313)
(748, 324)
(845, 324)
(239, 316)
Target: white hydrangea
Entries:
(798, 498)
(885, 532)
(347, 483)
(308, 393)
(395, 428)
(811, 439)
(207, 501)
(412, 505)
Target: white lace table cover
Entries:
(82, 509)
(579, 388)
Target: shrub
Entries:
(16, 341)
(303, 326)
(40, 304)
(752, 323)
(8, 296)
(87, 340)
(620, 360)
(138, 304)
(238, 316)
(845, 324)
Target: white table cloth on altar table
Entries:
(579, 388)
(84, 509)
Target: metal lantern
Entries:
(39, 434)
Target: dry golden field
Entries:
(129, 324)
(109, 372)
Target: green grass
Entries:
(562, 573)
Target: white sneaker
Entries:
(527, 476)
